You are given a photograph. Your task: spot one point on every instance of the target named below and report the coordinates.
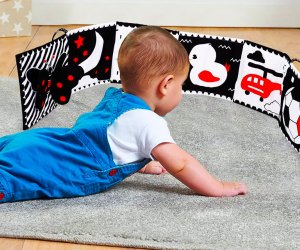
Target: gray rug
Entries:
(232, 141)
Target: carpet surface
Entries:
(232, 141)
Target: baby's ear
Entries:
(165, 83)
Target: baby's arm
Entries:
(190, 172)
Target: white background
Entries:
(210, 13)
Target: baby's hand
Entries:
(153, 167)
(233, 188)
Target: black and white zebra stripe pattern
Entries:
(44, 57)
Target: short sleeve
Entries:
(155, 132)
(134, 135)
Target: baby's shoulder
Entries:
(138, 119)
(142, 116)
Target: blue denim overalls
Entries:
(64, 162)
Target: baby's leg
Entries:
(153, 167)
(233, 189)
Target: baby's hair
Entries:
(149, 52)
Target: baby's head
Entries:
(149, 52)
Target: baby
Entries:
(119, 137)
(153, 66)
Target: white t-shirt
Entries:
(135, 133)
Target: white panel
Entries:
(213, 13)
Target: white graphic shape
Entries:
(92, 61)
(4, 18)
(18, 5)
(17, 28)
(273, 107)
(205, 70)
